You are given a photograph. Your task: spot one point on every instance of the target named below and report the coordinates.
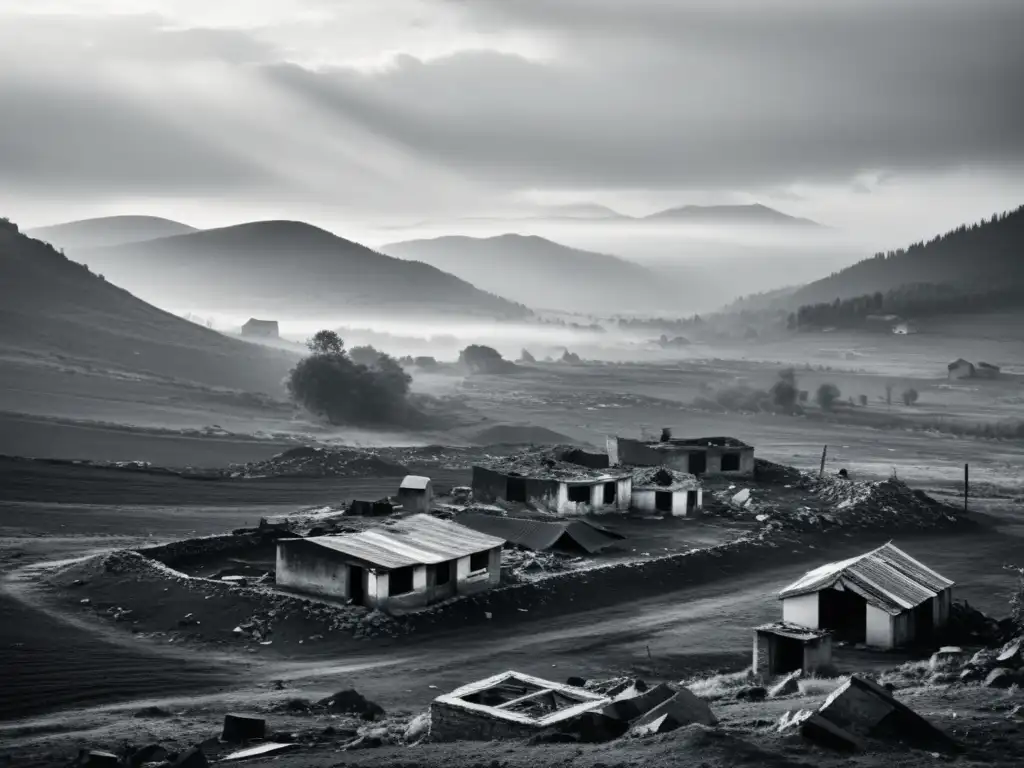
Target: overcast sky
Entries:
(900, 116)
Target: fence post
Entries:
(821, 470)
(967, 484)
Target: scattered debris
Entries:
(241, 728)
(351, 702)
(261, 750)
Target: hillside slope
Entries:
(54, 309)
(289, 267)
(108, 230)
(541, 273)
(978, 258)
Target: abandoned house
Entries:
(659, 489)
(987, 371)
(575, 535)
(399, 566)
(264, 329)
(508, 706)
(884, 598)
(960, 369)
(542, 481)
(415, 494)
(695, 456)
(781, 648)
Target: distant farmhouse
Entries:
(883, 598)
(695, 456)
(262, 329)
(960, 369)
(398, 566)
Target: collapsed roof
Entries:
(415, 540)
(541, 535)
(663, 479)
(887, 578)
(547, 465)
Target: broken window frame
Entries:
(393, 590)
(474, 560)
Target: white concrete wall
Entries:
(301, 567)
(623, 498)
(801, 610)
(879, 628)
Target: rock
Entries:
(947, 656)
(971, 675)
(151, 753)
(576, 682)
(365, 742)
(983, 659)
(418, 727)
(1011, 654)
(242, 728)
(351, 702)
(788, 686)
(1001, 677)
(191, 758)
(827, 734)
(752, 693)
(740, 499)
(97, 759)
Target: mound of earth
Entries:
(321, 462)
(516, 434)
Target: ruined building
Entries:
(883, 598)
(695, 456)
(545, 482)
(399, 566)
(671, 493)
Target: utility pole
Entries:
(824, 453)
(967, 484)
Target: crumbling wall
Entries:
(636, 453)
(451, 723)
(488, 486)
(313, 569)
(184, 551)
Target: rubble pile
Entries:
(524, 564)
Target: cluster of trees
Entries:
(913, 300)
(477, 358)
(363, 386)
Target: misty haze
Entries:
(427, 383)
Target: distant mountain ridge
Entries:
(729, 214)
(108, 230)
(541, 272)
(52, 305)
(266, 267)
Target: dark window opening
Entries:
(787, 655)
(924, 621)
(844, 613)
(691, 501)
(515, 489)
(400, 581)
(479, 561)
(443, 573)
(579, 494)
(698, 463)
(610, 490)
(730, 462)
(663, 501)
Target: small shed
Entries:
(781, 648)
(399, 566)
(960, 369)
(884, 598)
(264, 329)
(416, 493)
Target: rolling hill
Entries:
(288, 268)
(56, 311)
(735, 215)
(975, 259)
(542, 273)
(108, 230)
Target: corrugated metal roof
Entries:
(540, 535)
(415, 540)
(887, 578)
(415, 482)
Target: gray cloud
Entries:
(645, 96)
